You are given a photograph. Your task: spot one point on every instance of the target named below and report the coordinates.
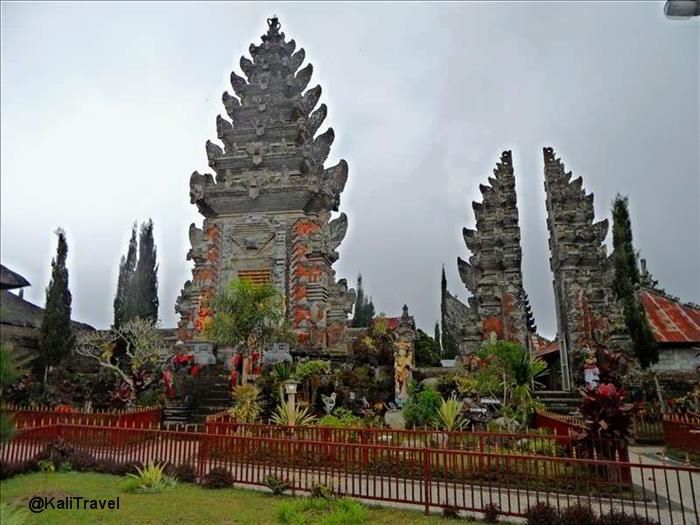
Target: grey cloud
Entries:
(106, 109)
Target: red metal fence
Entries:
(40, 416)
(488, 442)
(682, 432)
(430, 477)
(560, 424)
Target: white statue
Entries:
(328, 402)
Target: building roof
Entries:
(16, 311)
(543, 346)
(671, 320)
(10, 279)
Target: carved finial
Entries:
(274, 25)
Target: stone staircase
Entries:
(216, 394)
(176, 412)
(560, 402)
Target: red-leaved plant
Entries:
(608, 420)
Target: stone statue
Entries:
(403, 370)
(328, 402)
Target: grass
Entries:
(183, 504)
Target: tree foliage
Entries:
(127, 266)
(510, 372)
(364, 309)
(246, 407)
(137, 284)
(438, 339)
(57, 338)
(10, 371)
(134, 352)
(144, 285)
(249, 316)
(422, 407)
(427, 352)
(627, 280)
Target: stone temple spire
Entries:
(493, 275)
(588, 316)
(267, 210)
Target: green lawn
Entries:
(185, 503)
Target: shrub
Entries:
(292, 415)
(247, 407)
(81, 461)
(150, 478)
(542, 514)
(277, 485)
(449, 416)
(577, 515)
(422, 407)
(620, 518)
(340, 417)
(450, 512)
(319, 490)
(65, 467)
(46, 465)
(108, 466)
(57, 452)
(491, 513)
(218, 478)
(185, 473)
(7, 471)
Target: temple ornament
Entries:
(267, 207)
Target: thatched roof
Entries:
(10, 279)
(16, 311)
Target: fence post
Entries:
(427, 496)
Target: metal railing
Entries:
(430, 477)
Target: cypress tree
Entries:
(123, 302)
(364, 308)
(438, 339)
(627, 279)
(143, 287)
(56, 334)
(368, 312)
(359, 303)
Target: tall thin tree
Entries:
(364, 308)
(56, 334)
(144, 285)
(122, 300)
(438, 339)
(627, 279)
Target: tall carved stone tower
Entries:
(588, 316)
(498, 306)
(267, 211)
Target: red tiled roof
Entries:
(393, 322)
(671, 320)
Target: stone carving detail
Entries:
(271, 197)
(588, 316)
(498, 305)
(404, 346)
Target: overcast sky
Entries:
(106, 108)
